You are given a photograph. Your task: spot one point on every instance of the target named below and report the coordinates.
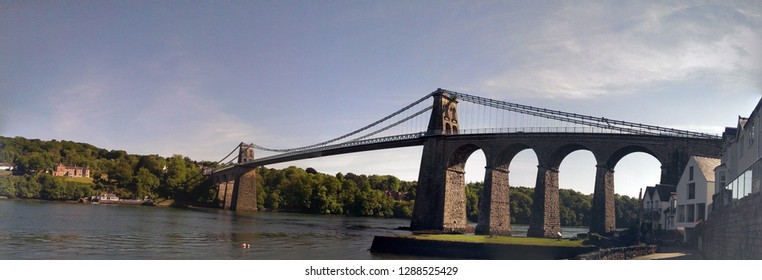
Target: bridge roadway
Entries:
(579, 140)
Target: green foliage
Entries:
(473, 192)
(521, 204)
(111, 171)
(145, 183)
(626, 211)
(294, 189)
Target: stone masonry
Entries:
(440, 199)
(236, 186)
(733, 232)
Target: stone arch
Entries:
(494, 203)
(448, 129)
(603, 214)
(503, 158)
(558, 156)
(454, 218)
(616, 156)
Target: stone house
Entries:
(71, 171)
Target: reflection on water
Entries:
(54, 230)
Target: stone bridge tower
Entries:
(444, 115)
(245, 153)
(441, 210)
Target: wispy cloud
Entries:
(588, 51)
(181, 117)
(80, 109)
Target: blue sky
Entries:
(198, 77)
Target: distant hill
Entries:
(114, 171)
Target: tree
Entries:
(626, 211)
(473, 192)
(146, 183)
(521, 205)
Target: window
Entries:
(690, 213)
(751, 135)
(681, 213)
(700, 208)
(690, 173)
(722, 179)
(692, 191)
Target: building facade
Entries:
(6, 166)
(71, 171)
(656, 203)
(738, 175)
(694, 193)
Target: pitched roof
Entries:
(649, 193)
(707, 166)
(665, 191)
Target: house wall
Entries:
(704, 191)
(654, 203)
(745, 150)
(733, 230)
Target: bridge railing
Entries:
(578, 129)
(409, 136)
(418, 135)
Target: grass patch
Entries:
(80, 180)
(500, 240)
(6, 173)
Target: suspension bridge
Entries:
(452, 125)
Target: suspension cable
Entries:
(345, 135)
(599, 122)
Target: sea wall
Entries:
(618, 253)
(733, 232)
(466, 250)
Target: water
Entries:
(56, 230)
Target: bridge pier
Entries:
(546, 218)
(224, 190)
(246, 190)
(455, 219)
(428, 209)
(603, 213)
(236, 186)
(237, 189)
(494, 204)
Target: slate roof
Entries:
(707, 165)
(665, 191)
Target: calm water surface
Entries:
(57, 230)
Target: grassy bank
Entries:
(80, 180)
(479, 247)
(499, 240)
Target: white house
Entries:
(655, 203)
(6, 166)
(671, 212)
(694, 193)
